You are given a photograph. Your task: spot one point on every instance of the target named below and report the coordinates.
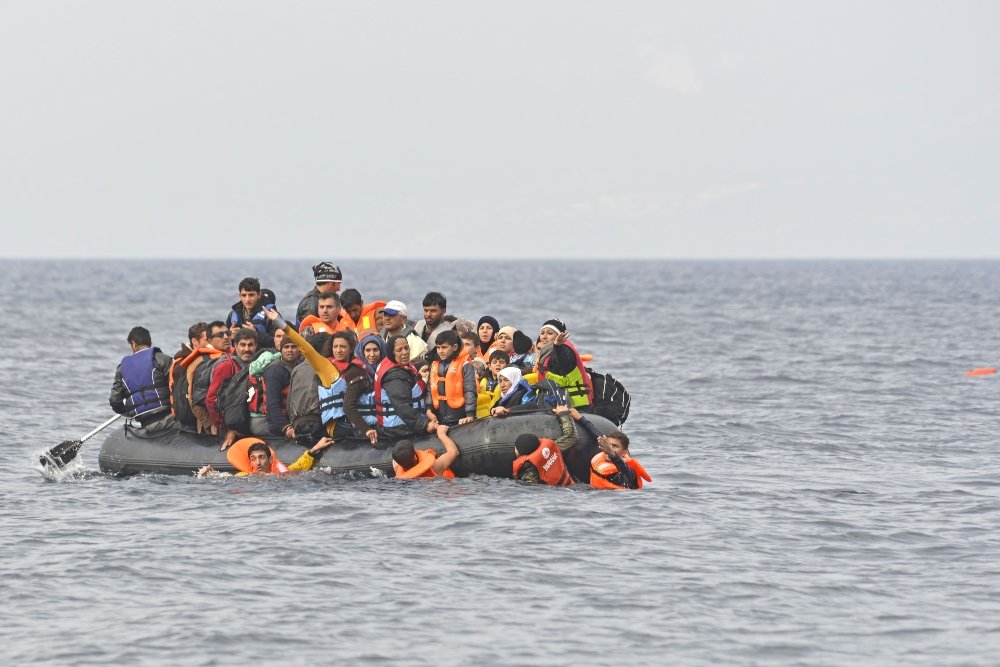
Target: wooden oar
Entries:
(67, 450)
(980, 371)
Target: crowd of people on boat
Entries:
(345, 368)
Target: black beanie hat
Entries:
(492, 322)
(522, 344)
(267, 297)
(526, 444)
(555, 323)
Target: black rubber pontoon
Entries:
(486, 448)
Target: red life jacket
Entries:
(384, 367)
(454, 390)
(548, 460)
(423, 467)
(602, 470)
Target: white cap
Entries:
(394, 307)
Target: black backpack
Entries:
(179, 400)
(611, 399)
(203, 378)
(548, 394)
(234, 393)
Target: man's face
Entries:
(328, 288)
(433, 315)
(260, 462)
(289, 352)
(354, 311)
(249, 299)
(617, 447)
(327, 310)
(219, 338)
(497, 365)
(246, 348)
(279, 339)
(445, 350)
(393, 322)
(201, 341)
(470, 347)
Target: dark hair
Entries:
(259, 447)
(436, 299)
(522, 344)
(390, 347)
(244, 333)
(499, 354)
(469, 336)
(348, 338)
(139, 336)
(326, 296)
(526, 443)
(249, 285)
(447, 337)
(351, 297)
(216, 324)
(321, 342)
(268, 297)
(449, 318)
(619, 436)
(197, 329)
(404, 454)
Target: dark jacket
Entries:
(398, 386)
(120, 392)
(308, 306)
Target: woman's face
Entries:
(486, 332)
(341, 350)
(546, 335)
(401, 349)
(506, 342)
(504, 384)
(373, 355)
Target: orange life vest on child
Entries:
(425, 459)
(366, 321)
(602, 469)
(548, 460)
(239, 458)
(454, 391)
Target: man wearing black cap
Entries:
(328, 277)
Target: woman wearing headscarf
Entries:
(400, 393)
(487, 332)
(514, 392)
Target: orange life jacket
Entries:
(454, 390)
(240, 458)
(548, 460)
(423, 467)
(602, 469)
(184, 363)
(366, 323)
(319, 326)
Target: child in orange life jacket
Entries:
(613, 468)
(540, 460)
(409, 463)
(452, 386)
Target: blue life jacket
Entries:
(258, 319)
(146, 386)
(386, 413)
(331, 402)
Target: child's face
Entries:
(470, 347)
(497, 365)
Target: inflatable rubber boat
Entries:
(486, 447)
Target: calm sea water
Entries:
(826, 482)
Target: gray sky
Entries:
(532, 129)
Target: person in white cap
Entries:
(394, 319)
(328, 278)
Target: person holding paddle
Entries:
(140, 390)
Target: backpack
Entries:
(203, 378)
(548, 394)
(179, 405)
(233, 397)
(611, 399)
(256, 386)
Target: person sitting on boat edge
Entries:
(514, 393)
(559, 361)
(327, 278)
(452, 384)
(253, 456)
(394, 323)
(541, 460)
(410, 463)
(613, 468)
(141, 387)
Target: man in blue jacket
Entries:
(141, 390)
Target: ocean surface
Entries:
(827, 487)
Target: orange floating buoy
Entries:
(980, 371)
